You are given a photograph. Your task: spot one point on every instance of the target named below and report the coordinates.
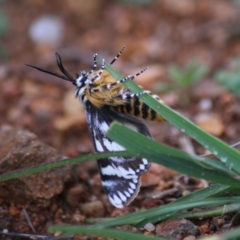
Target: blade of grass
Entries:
(169, 157)
(207, 213)
(230, 191)
(227, 155)
(108, 233)
(195, 196)
(164, 212)
(201, 194)
(47, 166)
(228, 235)
(216, 164)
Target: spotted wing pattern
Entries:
(107, 100)
(120, 175)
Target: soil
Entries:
(40, 118)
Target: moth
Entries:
(106, 100)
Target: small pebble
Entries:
(205, 104)
(47, 30)
(93, 209)
(149, 227)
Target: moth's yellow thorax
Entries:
(105, 96)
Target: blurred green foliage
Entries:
(230, 77)
(4, 26)
(236, 1)
(184, 77)
(4, 23)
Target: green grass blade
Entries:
(108, 233)
(208, 213)
(202, 193)
(47, 166)
(227, 155)
(228, 235)
(215, 164)
(169, 157)
(203, 213)
(195, 196)
(166, 211)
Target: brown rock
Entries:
(204, 229)
(148, 179)
(159, 177)
(176, 229)
(93, 209)
(164, 172)
(20, 149)
(74, 194)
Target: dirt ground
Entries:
(39, 115)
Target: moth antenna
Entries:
(63, 70)
(66, 75)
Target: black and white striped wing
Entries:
(120, 175)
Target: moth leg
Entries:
(110, 85)
(118, 55)
(94, 64)
(129, 77)
(103, 65)
(129, 95)
(92, 80)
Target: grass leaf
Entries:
(229, 156)
(93, 231)
(169, 157)
(47, 166)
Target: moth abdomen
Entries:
(139, 109)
